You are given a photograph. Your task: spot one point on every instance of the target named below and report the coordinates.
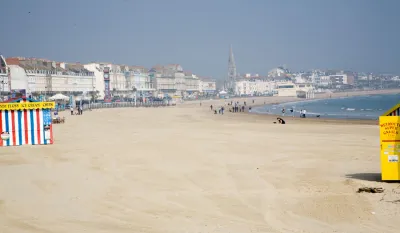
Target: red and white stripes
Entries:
(25, 127)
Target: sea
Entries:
(356, 107)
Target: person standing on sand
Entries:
(72, 110)
(211, 107)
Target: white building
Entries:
(123, 79)
(40, 76)
(141, 80)
(316, 78)
(4, 84)
(19, 78)
(192, 83)
(325, 80)
(276, 86)
(291, 89)
(207, 86)
(171, 80)
(254, 86)
(97, 69)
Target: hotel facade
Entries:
(251, 85)
(44, 77)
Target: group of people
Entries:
(236, 107)
(233, 107)
(79, 110)
(291, 110)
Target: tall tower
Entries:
(230, 82)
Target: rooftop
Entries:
(46, 65)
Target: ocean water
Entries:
(357, 107)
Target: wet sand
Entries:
(184, 169)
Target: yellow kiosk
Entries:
(389, 124)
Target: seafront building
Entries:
(45, 77)
(123, 79)
(279, 85)
(207, 86)
(171, 80)
(4, 77)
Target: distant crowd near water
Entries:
(355, 107)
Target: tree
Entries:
(95, 95)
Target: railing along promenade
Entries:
(154, 104)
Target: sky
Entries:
(358, 35)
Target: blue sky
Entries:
(360, 35)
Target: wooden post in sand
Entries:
(389, 124)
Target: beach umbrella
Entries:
(58, 97)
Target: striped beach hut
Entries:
(24, 121)
(395, 111)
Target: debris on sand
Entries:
(370, 190)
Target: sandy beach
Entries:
(183, 169)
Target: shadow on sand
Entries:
(369, 177)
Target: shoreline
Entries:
(265, 109)
(296, 120)
(338, 95)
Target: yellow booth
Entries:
(389, 124)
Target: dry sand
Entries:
(184, 169)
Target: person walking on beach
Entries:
(250, 109)
(283, 111)
(292, 111)
(72, 110)
(303, 113)
(211, 107)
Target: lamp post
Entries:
(134, 90)
(45, 93)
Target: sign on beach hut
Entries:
(389, 124)
(24, 121)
